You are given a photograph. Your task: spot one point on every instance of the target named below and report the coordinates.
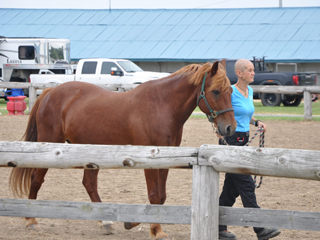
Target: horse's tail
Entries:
(20, 178)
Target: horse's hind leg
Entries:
(37, 179)
(90, 182)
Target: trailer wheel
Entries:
(270, 99)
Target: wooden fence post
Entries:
(205, 203)
(32, 97)
(307, 105)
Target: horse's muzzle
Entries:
(225, 130)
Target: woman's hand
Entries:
(262, 125)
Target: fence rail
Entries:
(163, 214)
(207, 161)
(305, 90)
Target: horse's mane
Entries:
(220, 79)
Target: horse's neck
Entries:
(181, 97)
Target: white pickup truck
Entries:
(102, 71)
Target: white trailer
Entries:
(20, 57)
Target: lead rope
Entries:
(261, 144)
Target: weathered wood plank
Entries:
(95, 211)
(307, 105)
(284, 89)
(283, 219)
(205, 202)
(195, 204)
(55, 155)
(14, 85)
(290, 163)
(32, 97)
(111, 87)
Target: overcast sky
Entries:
(142, 4)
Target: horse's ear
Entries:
(223, 63)
(214, 68)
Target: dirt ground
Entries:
(128, 186)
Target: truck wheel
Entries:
(293, 101)
(270, 99)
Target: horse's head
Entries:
(214, 98)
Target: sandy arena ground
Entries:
(128, 186)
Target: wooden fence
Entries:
(34, 86)
(204, 215)
(305, 90)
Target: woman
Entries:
(237, 184)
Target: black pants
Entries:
(236, 185)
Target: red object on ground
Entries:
(16, 105)
(10, 105)
(20, 105)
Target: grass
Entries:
(299, 110)
(281, 110)
(259, 109)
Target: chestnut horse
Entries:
(151, 114)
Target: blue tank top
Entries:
(243, 109)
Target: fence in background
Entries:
(305, 90)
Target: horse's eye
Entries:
(216, 92)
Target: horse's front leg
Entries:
(156, 184)
(90, 182)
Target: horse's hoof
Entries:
(127, 225)
(32, 226)
(130, 225)
(162, 236)
(107, 226)
(109, 229)
(31, 223)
